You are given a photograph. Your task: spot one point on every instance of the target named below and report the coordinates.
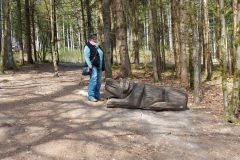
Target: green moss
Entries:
(232, 119)
(229, 115)
(1, 68)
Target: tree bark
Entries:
(7, 59)
(234, 44)
(83, 21)
(89, 16)
(80, 37)
(19, 30)
(33, 30)
(53, 36)
(121, 38)
(223, 47)
(100, 23)
(183, 48)
(233, 110)
(68, 39)
(200, 33)
(135, 24)
(196, 59)
(56, 32)
(63, 33)
(218, 29)
(154, 43)
(107, 43)
(206, 48)
(162, 31)
(175, 33)
(71, 34)
(28, 33)
(169, 17)
(1, 27)
(112, 33)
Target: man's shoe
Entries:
(91, 99)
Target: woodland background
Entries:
(191, 39)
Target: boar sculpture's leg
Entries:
(119, 103)
(165, 106)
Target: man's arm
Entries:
(87, 56)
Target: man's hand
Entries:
(103, 74)
(90, 70)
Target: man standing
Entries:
(95, 60)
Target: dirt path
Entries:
(45, 118)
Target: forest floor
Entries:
(45, 118)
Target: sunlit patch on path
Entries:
(46, 118)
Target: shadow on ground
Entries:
(42, 117)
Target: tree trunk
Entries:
(80, 37)
(176, 37)
(28, 33)
(1, 27)
(71, 34)
(135, 24)
(38, 45)
(58, 34)
(107, 43)
(89, 16)
(54, 36)
(154, 43)
(196, 59)
(112, 33)
(55, 33)
(68, 40)
(206, 48)
(162, 31)
(218, 29)
(121, 38)
(19, 30)
(234, 44)
(223, 47)
(100, 23)
(7, 59)
(200, 34)
(83, 21)
(197, 69)
(146, 31)
(63, 33)
(191, 42)
(183, 48)
(170, 28)
(33, 30)
(233, 110)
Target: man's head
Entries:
(119, 89)
(93, 37)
